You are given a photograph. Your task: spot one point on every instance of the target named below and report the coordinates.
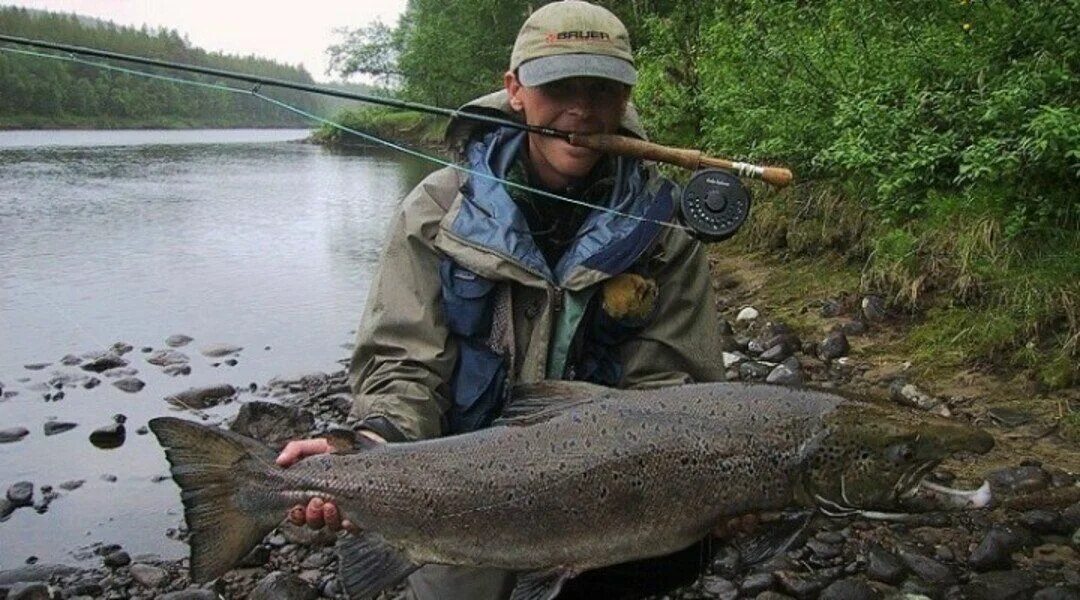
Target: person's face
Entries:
(577, 104)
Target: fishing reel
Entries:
(714, 205)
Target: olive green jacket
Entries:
(404, 357)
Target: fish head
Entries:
(872, 459)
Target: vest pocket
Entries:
(478, 384)
(466, 300)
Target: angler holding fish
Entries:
(482, 286)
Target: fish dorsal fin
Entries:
(539, 585)
(536, 402)
(368, 565)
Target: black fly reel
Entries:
(714, 204)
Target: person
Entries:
(483, 285)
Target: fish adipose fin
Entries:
(368, 565)
(537, 402)
(209, 465)
(539, 585)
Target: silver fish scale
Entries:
(638, 474)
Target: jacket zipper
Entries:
(558, 300)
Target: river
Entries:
(245, 237)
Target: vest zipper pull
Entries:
(557, 301)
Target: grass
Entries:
(413, 128)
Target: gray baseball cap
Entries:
(572, 38)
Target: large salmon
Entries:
(573, 478)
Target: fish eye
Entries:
(900, 453)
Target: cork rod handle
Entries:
(682, 157)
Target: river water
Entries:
(244, 237)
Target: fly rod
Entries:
(606, 143)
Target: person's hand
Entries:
(318, 513)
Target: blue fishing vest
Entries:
(489, 218)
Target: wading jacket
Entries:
(464, 305)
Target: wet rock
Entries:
(177, 370)
(757, 583)
(203, 397)
(36, 366)
(109, 477)
(283, 586)
(831, 307)
(165, 358)
(849, 589)
(779, 352)
(178, 340)
(787, 373)
(42, 572)
(1053, 555)
(21, 494)
(770, 595)
(109, 436)
(823, 550)
(907, 394)
(1045, 522)
(29, 591)
(873, 308)
(13, 434)
(219, 350)
(121, 372)
(1001, 585)
(748, 313)
(853, 327)
(74, 484)
(117, 559)
(99, 363)
(1019, 480)
(85, 588)
(192, 593)
(718, 587)
(70, 360)
(834, 346)
(732, 359)
(92, 383)
(1058, 592)
(148, 576)
(928, 569)
(1008, 417)
(274, 424)
(130, 385)
(754, 371)
(6, 508)
(55, 427)
(995, 550)
(798, 585)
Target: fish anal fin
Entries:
(539, 585)
(368, 565)
(536, 402)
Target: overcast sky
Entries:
(293, 33)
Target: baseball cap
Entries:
(572, 38)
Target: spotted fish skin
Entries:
(623, 476)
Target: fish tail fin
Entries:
(215, 470)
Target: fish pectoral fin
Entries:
(368, 565)
(537, 402)
(539, 585)
(774, 537)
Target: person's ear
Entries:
(513, 89)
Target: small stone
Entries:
(177, 370)
(232, 362)
(757, 583)
(36, 366)
(29, 591)
(822, 550)
(748, 313)
(109, 477)
(148, 576)
(718, 587)
(219, 350)
(192, 593)
(6, 508)
(165, 358)
(1001, 585)
(788, 373)
(1045, 522)
(1058, 592)
(21, 494)
(849, 589)
(834, 346)
(928, 569)
(109, 436)
(13, 434)
(283, 586)
(854, 328)
(142, 430)
(1009, 417)
(103, 362)
(121, 348)
(754, 371)
(178, 340)
(204, 397)
(130, 385)
(732, 359)
(873, 308)
(92, 383)
(777, 353)
(797, 585)
(117, 559)
(74, 484)
(1019, 480)
(907, 394)
(831, 307)
(70, 360)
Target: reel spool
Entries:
(714, 204)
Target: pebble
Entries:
(130, 385)
(1058, 592)
(21, 494)
(1019, 480)
(834, 346)
(757, 583)
(283, 586)
(754, 371)
(165, 358)
(873, 308)
(204, 397)
(748, 313)
(92, 383)
(788, 373)
(36, 366)
(121, 348)
(908, 394)
(109, 436)
(148, 576)
(109, 477)
(1001, 585)
(732, 359)
(219, 350)
(6, 508)
(103, 362)
(849, 589)
(177, 370)
(177, 340)
(797, 585)
(29, 591)
(192, 593)
(1045, 521)
(13, 434)
(70, 360)
(117, 559)
(718, 587)
(74, 484)
(854, 327)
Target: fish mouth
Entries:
(948, 497)
(915, 492)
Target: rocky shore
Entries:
(1026, 545)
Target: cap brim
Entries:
(546, 69)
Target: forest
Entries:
(936, 144)
(38, 92)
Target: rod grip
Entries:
(622, 145)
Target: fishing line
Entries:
(254, 91)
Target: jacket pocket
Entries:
(478, 390)
(467, 301)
